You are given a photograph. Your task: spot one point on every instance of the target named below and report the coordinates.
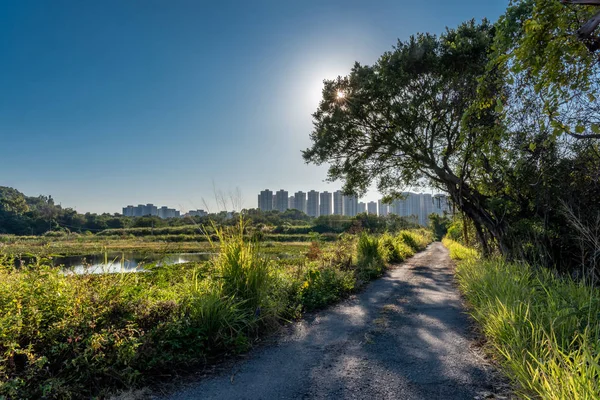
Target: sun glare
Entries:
(340, 94)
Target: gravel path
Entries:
(404, 337)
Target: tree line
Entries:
(25, 215)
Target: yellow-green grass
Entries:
(545, 329)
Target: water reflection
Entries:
(117, 262)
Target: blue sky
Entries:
(109, 103)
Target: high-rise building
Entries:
(291, 202)
(163, 212)
(312, 203)
(418, 206)
(441, 204)
(281, 200)
(384, 209)
(426, 208)
(362, 208)
(409, 205)
(338, 203)
(149, 210)
(300, 201)
(326, 206)
(350, 206)
(265, 200)
(372, 208)
(197, 213)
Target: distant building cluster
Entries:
(197, 213)
(415, 206)
(150, 210)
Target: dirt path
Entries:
(405, 337)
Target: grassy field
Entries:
(544, 329)
(72, 336)
(48, 246)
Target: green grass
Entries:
(545, 329)
(83, 245)
(73, 336)
(458, 251)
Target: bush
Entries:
(325, 286)
(397, 250)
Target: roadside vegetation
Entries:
(504, 118)
(71, 336)
(544, 328)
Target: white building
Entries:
(312, 203)
(326, 206)
(384, 209)
(265, 200)
(362, 208)
(281, 200)
(372, 208)
(300, 201)
(338, 203)
(197, 213)
(350, 206)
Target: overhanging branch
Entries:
(586, 32)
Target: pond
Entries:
(102, 263)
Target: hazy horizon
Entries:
(116, 103)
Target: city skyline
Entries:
(162, 103)
(314, 204)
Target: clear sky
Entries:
(109, 103)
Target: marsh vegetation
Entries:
(65, 335)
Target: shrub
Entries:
(458, 251)
(416, 239)
(397, 250)
(324, 286)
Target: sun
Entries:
(340, 94)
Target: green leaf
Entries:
(596, 128)
(499, 107)
(532, 146)
(591, 97)
(579, 129)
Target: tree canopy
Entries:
(491, 114)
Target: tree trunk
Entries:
(589, 27)
(472, 205)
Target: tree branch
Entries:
(582, 2)
(584, 135)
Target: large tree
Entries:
(400, 123)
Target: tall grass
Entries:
(244, 273)
(458, 251)
(371, 256)
(545, 328)
(73, 336)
